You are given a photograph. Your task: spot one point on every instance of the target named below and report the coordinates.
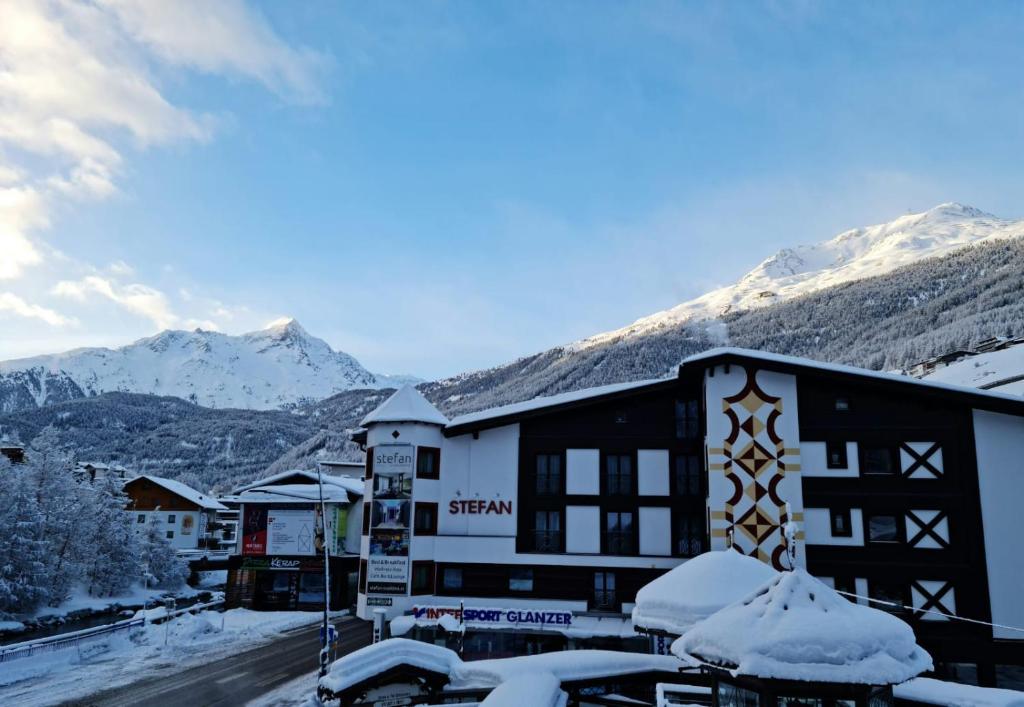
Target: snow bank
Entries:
(696, 589)
(540, 690)
(951, 694)
(797, 628)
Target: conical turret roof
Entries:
(406, 405)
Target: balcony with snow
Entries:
(795, 641)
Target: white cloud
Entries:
(77, 87)
(10, 302)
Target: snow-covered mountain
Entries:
(852, 255)
(276, 367)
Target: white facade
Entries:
(999, 441)
(183, 529)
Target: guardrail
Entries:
(75, 639)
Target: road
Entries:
(238, 679)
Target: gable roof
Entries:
(186, 492)
(986, 399)
(696, 364)
(406, 405)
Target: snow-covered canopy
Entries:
(187, 492)
(406, 405)
(564, 666)
(293, 493)
(347, 483)
(797, 628)
(699, 587)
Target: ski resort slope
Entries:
(1001, 371)
(278, 366)
(852, 255)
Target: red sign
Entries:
(254, 531)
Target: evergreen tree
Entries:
(114, 565)
(23, 550)
(162, 567)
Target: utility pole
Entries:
(324, 649)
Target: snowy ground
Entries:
(300, 692)
(123, 658)
(137, 596)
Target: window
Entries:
(428, 463)
(452, 578)
(604, 590)
(882, 697)
(366, 518)
(618, 474)
(689, 534)
(883, 529)
(547, 531)
(840, 521)
(520, 579)
(688, 474)
(141, 518)
(422, 577)
(171, 517)
(800, 701)
(836, 454)
(687, 421)
(362, 574)
(369, 462)
(733, 696)
(549, 474)
(619, 533)
(170, 534)
(888, 596)
(425, 522)
(877, 459)
(843, 404)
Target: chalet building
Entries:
(903, 491)
(93, 471)
(186, 516)
(278, 560)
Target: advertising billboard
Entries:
(278, 531)
(390, 519)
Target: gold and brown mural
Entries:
(755, 484)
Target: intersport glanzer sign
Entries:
(533, 618)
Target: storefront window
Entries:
(311, 588)
(733, 696)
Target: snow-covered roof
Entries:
(565, 666)
(186, 492)
(345, 482)
(293, 493)
(541, 690)
(699, 587)
(551, 401)
(377, 658)
(406, 405)
(848, 370)
(797, 628)
(951, 694)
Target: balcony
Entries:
(604, 599)
(547, 540)
(619, 542)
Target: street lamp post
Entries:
(327, 575)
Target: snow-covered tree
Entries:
(161, 565)
(113, 565)
(23, 550)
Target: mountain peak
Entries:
(954, 209)
(284, 325)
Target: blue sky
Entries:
(436, 187)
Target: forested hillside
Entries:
(884, 322)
